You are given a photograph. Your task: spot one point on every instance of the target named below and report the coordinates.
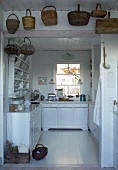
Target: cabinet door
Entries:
(50, 118)
(65, 117)
(90, 119)
(81, 118)
(18, 128)
(115, 141)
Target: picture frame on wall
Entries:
(42, 80)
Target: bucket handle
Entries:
(9, 41)
(14, 15)
(98, 5)
(28, 39)
(48, 6)
(27, 11)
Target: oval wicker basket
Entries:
(11, 48)
(27, 48)
(98, 13)
(12, 24)
(28, 21)
(78, 18)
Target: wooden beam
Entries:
(54, 34)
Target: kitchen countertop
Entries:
(59, 102)
(28, 110)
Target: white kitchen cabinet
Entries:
(92, 125)
(18, 75)
(23, 128)
(50, 116)
(65, 115)
(80, 117)
(116, 140)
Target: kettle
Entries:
(82, 97)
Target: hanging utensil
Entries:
(105, 65)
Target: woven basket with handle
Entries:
(98, 13)
(78, 18)
(49, 17)
(107, 25)
(12, 24)
(28, 21)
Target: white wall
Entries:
(109, 93)
(43, 65)
(96, 55)
(1, 97)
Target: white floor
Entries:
(68, 148)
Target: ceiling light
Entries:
(68, 56)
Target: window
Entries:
(67, 78)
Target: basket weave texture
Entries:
(98, 13)
(12, 24)
(11, 48)
(78, 18)
(28, 21)
(107, 25)
(49, 17)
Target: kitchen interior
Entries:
(39, 102)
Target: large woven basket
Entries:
(28, 21)
(98, 13)
(107, 25)
(12, 24)
(49, 17)
(78, 18)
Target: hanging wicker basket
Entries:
(49, 17)
(78, 18)
(11, 48)
(107, 25)
(28, 21)
(98, 13)
(27, 48)
(12, 24)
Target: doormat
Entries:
(65, 129)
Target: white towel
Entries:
(97, 107)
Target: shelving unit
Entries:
(18, 75)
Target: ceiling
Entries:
(82, 43)
(61, 5)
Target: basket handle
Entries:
(48, 6)
(9, 41)
(27, 11)
(38, 145)
(14, 15)
(98, 5)
(78, 9)
(108, 14)
(28, 39)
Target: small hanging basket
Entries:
(28, 21)
(78, 18)
(11, 48)
(98, 13)
(49, 17)
(27, 48)
(12, 24)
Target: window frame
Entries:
(69, 62)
